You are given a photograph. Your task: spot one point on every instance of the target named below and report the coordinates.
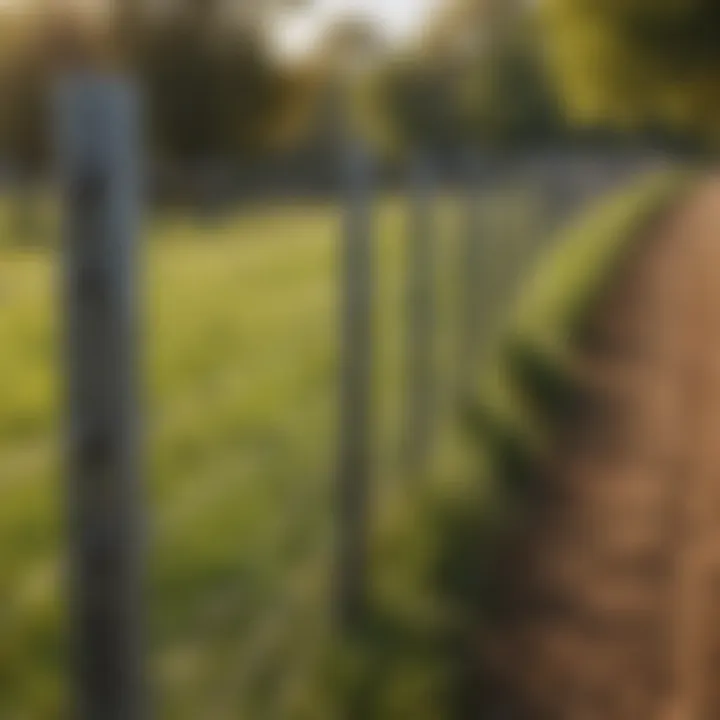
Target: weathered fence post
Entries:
(356, 385)
(98, 145)
(420, 296)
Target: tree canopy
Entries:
(637, 63)
(212, 87)
(477, 77)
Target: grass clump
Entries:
(530, 379)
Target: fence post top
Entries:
(96, 112)
(95, 86)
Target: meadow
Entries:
(239, 352)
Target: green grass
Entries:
(240, 358)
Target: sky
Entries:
(298, 30)
(398, 19)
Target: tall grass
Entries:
(240, 358)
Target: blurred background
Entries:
(450, 139)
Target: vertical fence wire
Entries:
(354, 452)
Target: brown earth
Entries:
(612, 593)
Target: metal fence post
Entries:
(354, 462)
(98, 139)
(420, 314)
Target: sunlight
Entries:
(297, 32)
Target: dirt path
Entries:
(613, 590)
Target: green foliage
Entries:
(637, 63)
(479, 78)
(531, 378)
(240, 364)
(211, 93)
(211, 87)
(25, 71)
(417, 102)
(506, 98)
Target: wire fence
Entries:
(425, 270)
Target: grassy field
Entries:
(240, 356)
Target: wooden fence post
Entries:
(98, 140)
(354, 462)
(420, 314)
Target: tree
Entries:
(505, 97)
(212, 88)
(637, 63)
(25, 73)
(477, 78)
(416, 105)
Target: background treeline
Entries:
(216, 91)
(483, 75)
(212, 88)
